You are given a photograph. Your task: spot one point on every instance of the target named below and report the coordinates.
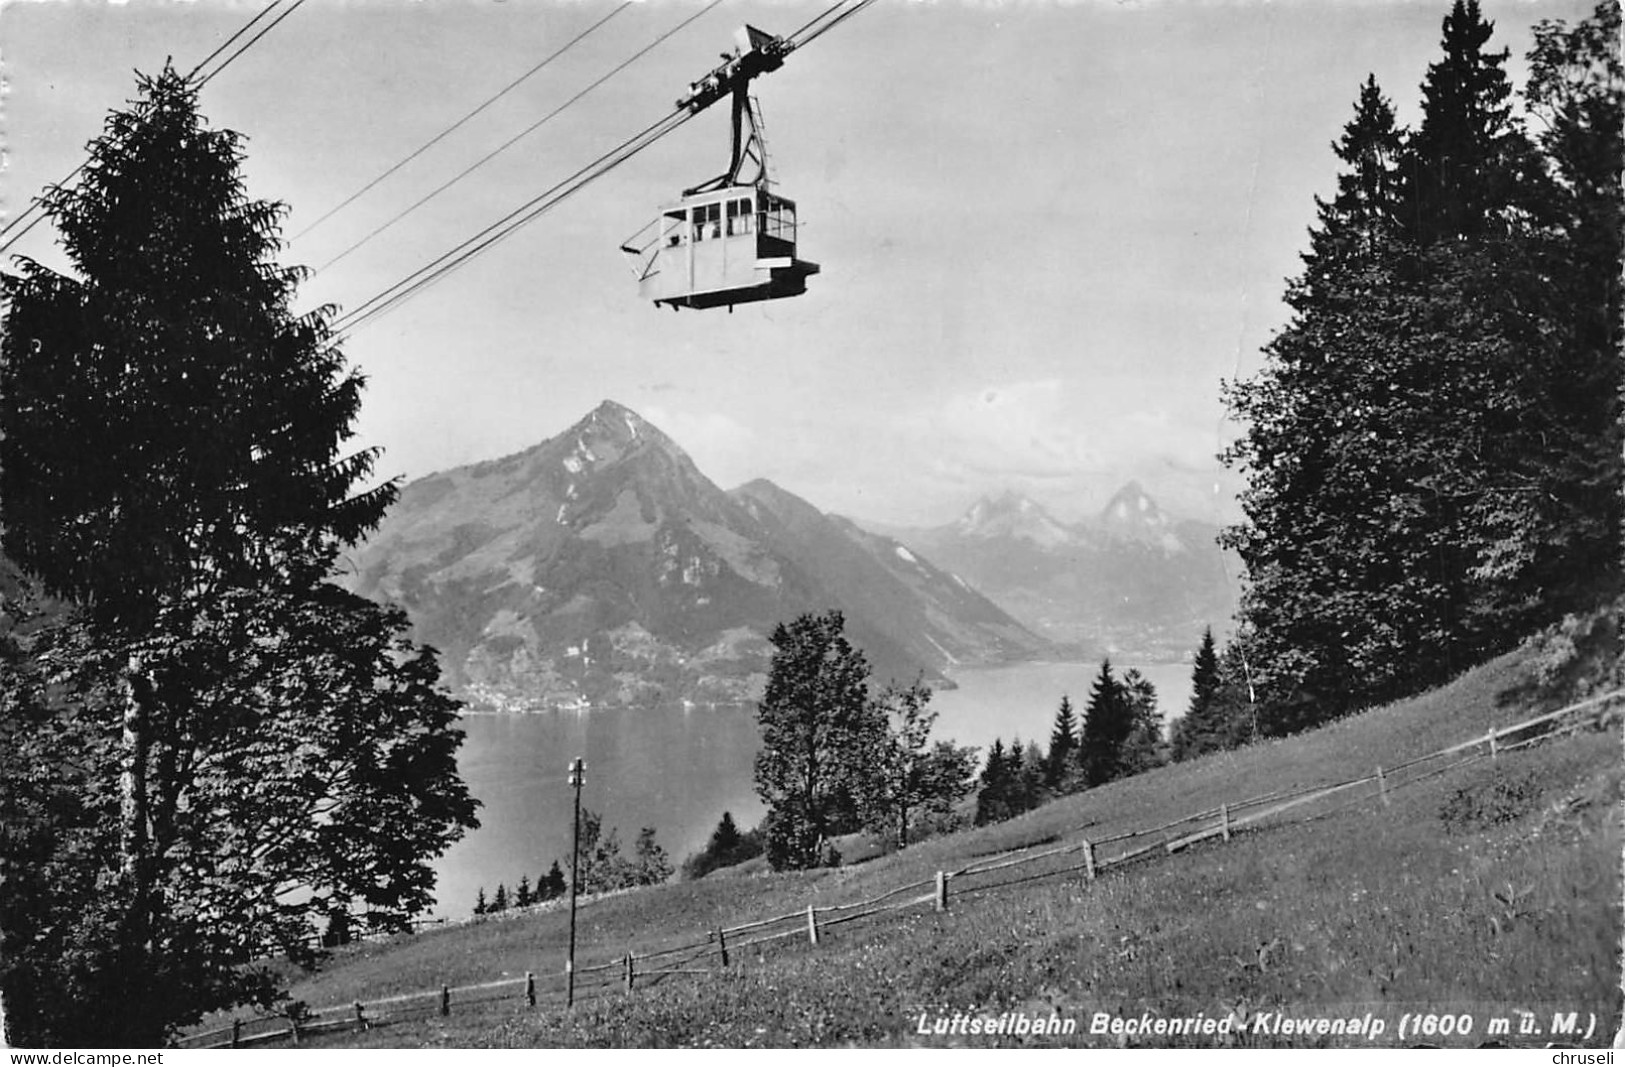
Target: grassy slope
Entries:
(1503, 897)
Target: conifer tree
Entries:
(1029, 775)
(1144, 747)
(1107, 723)
(1361, 221)
(481, 905)
(1403, 446)
(173, 466)
(1469, 169)
(1063, 742)
(1317, 451)
(522, 897)
(1199, 730)
(553, 884)
(996, 783)
(499, 902)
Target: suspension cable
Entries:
(434, 271)
(810, 37)
(228, 41)
(443, 134)
(252, 41)
(510, 223)
(33, 211)
(527, 131)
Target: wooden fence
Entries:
(1083, 855)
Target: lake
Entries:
(679, 769)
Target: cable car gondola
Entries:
(731, 240)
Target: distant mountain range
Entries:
(1134, 580)
(601, 568)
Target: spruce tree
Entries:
(1108, 721)
(171, 427)
(173, 466)
(1143, 748)
(1469, 167)
(1198, 731)
(995, 785)
(522, 897)
(553, 884)
(1317, 452)
(481, 905)
(1403, 441)
(725, 841)
(1029, 775)
(1364, 217)
(1063, 742)
(499, 902)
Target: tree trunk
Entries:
(133, 774)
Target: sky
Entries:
(1047, 230)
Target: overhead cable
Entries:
(228, 41)
(432, 272)
(33, 213)
(252, 41)
(800, 40)
(443, 134)
(506, 226)
(527, 131)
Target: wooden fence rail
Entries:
(625, 971)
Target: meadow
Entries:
(1481, 898)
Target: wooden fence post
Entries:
(236, 1032)
(360, 1017)
(293, 1028)
(1493, 753)
(942, 891)
(630, 973)
(445, 1000)
(1224, 820)
(1382, 787)
(812, 925)
(722, 944)
(1088, 860)
(530, 989)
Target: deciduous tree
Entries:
(818, 730)
(914, 777)
(653, 866)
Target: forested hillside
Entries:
(1433, 447)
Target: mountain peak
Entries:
(608, 433)
(1132, 514)
(1132, 505)
(1011, 514)
(615, 420)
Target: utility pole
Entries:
(578, 768)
